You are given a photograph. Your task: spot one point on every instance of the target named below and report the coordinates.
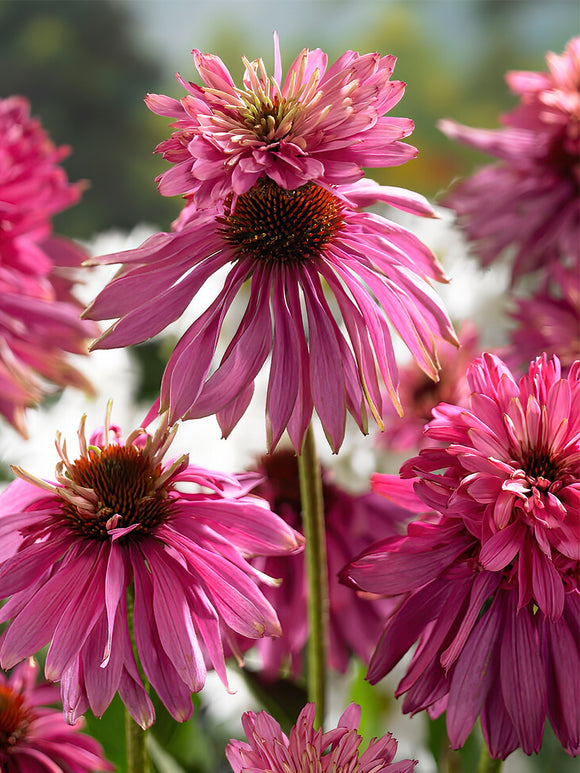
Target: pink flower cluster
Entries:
(529, 200)
(39, 316)
(311, 751)
(488, 579)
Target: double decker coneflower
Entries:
(271, 177)
(129, 565)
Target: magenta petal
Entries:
(562, 661)
(173, 619)
(523, 682)
(500, 549)
(157, 667)
(33, 627)
(474, 675)
(547, 584)
(284, 369)
(101, 683)
(327, 378)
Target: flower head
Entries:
(311, 751)
(128, 548)
(291, 245)
(317, 124)
(34, 737)
(530, 199)
(488, 583)
(39, 316)
(352, 524)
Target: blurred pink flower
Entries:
(352, 524)
(548, 321)
(117, 518)
(311, 751)
(490, 586)
(39, 316)
(317, 124)
(419, 394)
(530, 199)
(35, 738)
(289, 245)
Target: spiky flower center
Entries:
(272, 224)
(543, 471)
(125, 492)
(15, 718)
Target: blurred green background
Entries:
(86, 65)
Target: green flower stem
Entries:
(135, 737)
(136, 742)
(317, 573)
(486, 763)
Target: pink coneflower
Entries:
(289, 244)
(35, 738)
(549, 320)
(490, 586)
(511, 471)
(39, 317)
(126, 548)
(420, 394)
(529, 200)
(352, 524)
(311, 751)
(317, 124)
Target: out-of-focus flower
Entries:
(489, 585)
(352, 524)
(117, 518)
(287, 243)
(317, 124)
(419, 394)
(530, 199)
(311, 751)
(548, 321)
(39, 316)
(35, 738)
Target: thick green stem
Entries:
(486, 763)
(135, 739)
(317, 573)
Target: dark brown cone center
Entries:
(124, 483)
(272, 224)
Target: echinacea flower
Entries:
(311, 751)
(318, 124)
(128, 549)
(420, 394)
(488, 584)
(34, 738)
(39, 316)
(290, 245)
(352, 523)
(530, 199)
(548, 320)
